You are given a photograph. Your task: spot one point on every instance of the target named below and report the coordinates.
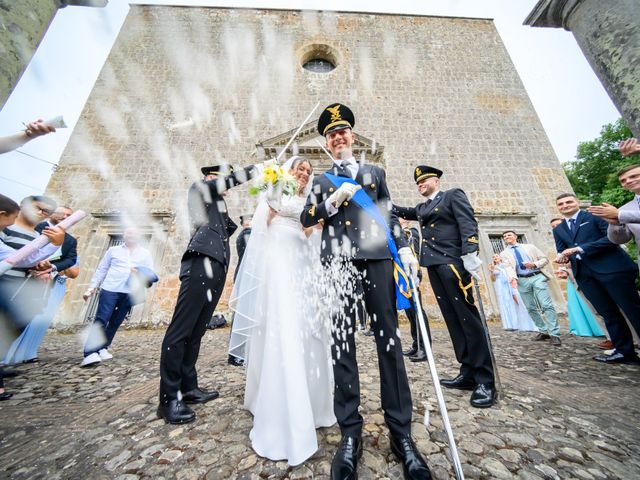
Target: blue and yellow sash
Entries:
(401, 280)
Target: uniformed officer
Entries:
(450, 253)
(417, 351)
(352, 240)
(202, 276)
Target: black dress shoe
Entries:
(420, 356)
(617, 357)
(484, 396)
(413, 465)
(541, 337)
(460, 382)
(176, 412)
(369, 333)
(199, 396)
(235, 361)
(5, 396)
(8, 372)
(31, 360)
(345, 462)
(411, 352)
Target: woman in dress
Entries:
(582, 321)
(513, 313)
(289, 381)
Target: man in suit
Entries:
(604, 272)
(243, 238)
(355, 244)
(450, 253)
(417, 351)
(202, 276)
(68, 252)
(624, 222)
(525, 265)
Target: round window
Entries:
(319, 65)
(318, 58)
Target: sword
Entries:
(457, 466)
(483, 318)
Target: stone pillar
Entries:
(23, 23)
(608, 32)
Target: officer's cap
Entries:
(423, 171)
(222, 169)
(335, 117)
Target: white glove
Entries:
(343, 193)
(472, 263)
(410, 263)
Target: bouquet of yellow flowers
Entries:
(275, 181)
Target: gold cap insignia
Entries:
(312, 211)
(473, 240)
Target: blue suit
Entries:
(605, 274)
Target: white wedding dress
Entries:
(280, 333)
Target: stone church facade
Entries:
(185, 87)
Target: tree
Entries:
(593, 175)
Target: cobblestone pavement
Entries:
(562, 416)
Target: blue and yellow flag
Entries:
(401, 279)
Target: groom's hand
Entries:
(343, 193)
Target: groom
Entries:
(352, 240)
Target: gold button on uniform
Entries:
(373, 185)
(347, 222)
(331, 189)
(433, 238)
(433, 225)
(346, 204)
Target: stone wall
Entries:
(185, 87)
(22, 25)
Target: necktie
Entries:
(519, 259)
(429, 200)
(572, 224)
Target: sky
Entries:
(568, 97)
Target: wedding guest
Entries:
(525, 264)
(25, 348)
(360, 246)
(12, 314)
(113, 277)
(34, 129)
(203, 272)
(582, 321)
(450, 254)
(513, 313)
(603, 272)
(624, 222)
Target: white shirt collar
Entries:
(433, 195)
(574, 216)
(346, 161)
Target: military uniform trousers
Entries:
(463, 322)
(416, 334)
(380, 303)
(202, 281)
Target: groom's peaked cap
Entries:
(335, 117)
(222, 169)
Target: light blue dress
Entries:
(514, 314)
(26, 346)
(581, 319)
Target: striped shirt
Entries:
(17, 237)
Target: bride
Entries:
(278, 331)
